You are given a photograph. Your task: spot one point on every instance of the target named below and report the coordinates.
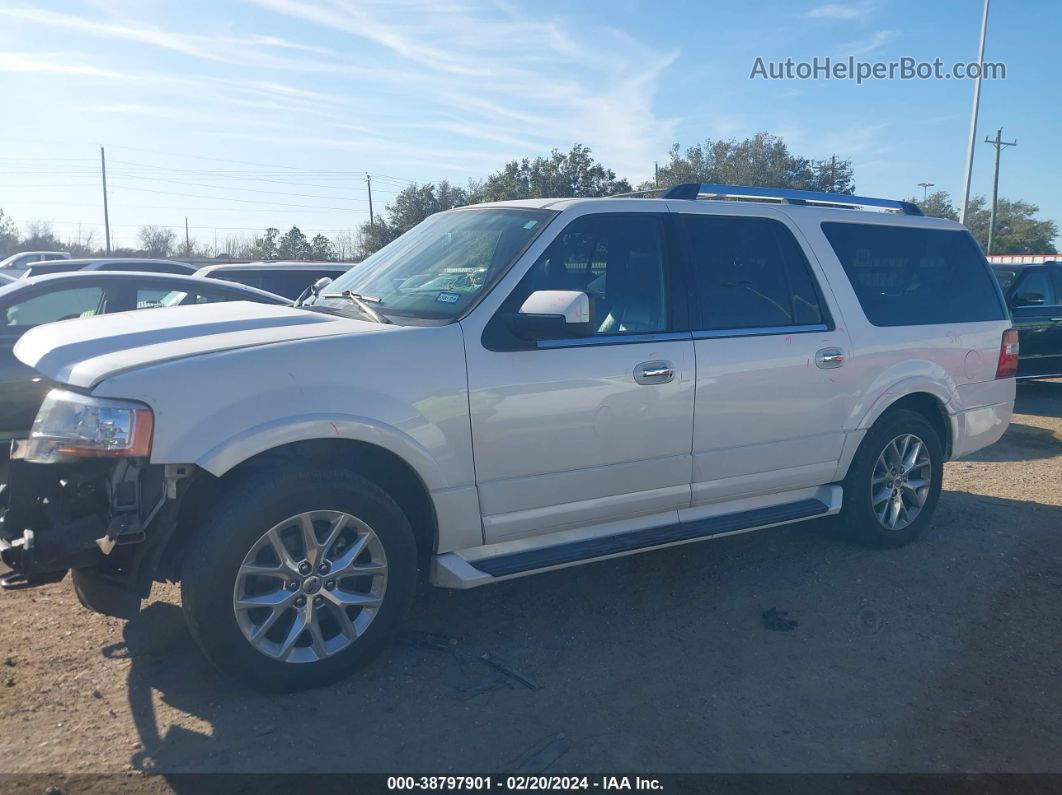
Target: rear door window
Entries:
(749, 273)
(912, 276)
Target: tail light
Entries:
(1008, 355)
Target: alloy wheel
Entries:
(900, 481)
(310, 586)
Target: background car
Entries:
(288, 279)
(30, 302)
(139, 265)
(24, 258)
(1034, 297)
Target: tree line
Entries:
(761, 160)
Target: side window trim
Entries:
(699, 325)
(762, 331)
(612, 339)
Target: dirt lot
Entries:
(943, 656)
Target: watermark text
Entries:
(904, 68)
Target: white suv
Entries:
(507, 389)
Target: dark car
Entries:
(30, 302)
(288, 279)
(139, 265)
(1034, 297)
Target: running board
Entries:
(484, 569)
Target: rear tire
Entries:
(894, 482)
(295, 579)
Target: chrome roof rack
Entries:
(694, 190)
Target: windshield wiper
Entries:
(362, 302)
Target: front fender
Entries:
(266, 436)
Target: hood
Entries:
(84, 351)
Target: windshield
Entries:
(438, 269)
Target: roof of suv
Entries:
(812, 214)
(798, 203)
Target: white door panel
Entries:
(591, 483)
(584, 513)
(566, 436)
(767, 415)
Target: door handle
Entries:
(660, 372)
(829, 358)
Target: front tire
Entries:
(894, 482)
(298, 577)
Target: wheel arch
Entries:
(382, 466)
(933, 409)
(930, 404)
(928, 398)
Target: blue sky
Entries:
(304, 96)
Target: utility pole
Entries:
(368, 181)
(833, 173)
(106, 215)
(187, 239)
(925, 186)
(973, 119)
(656, 175)
(999, 144)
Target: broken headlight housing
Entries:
(70, 426)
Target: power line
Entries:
(242, 201)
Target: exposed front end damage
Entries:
(107, 521)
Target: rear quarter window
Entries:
(912, 276)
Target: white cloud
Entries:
(869, 45)
(51, 63)
(843, 11)
(512, 76)
(437, 85)
(223, 48)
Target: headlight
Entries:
(70, 426)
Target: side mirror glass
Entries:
(553, 314)
(1029, 299)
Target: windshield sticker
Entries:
(530, 224)
(447, 298)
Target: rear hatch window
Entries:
(911, 276)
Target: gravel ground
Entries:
(939, 657)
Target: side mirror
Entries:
(1029, 299)
(553, 314)
(314, 289)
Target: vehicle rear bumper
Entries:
(979, 427)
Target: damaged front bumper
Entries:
(105, 520)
